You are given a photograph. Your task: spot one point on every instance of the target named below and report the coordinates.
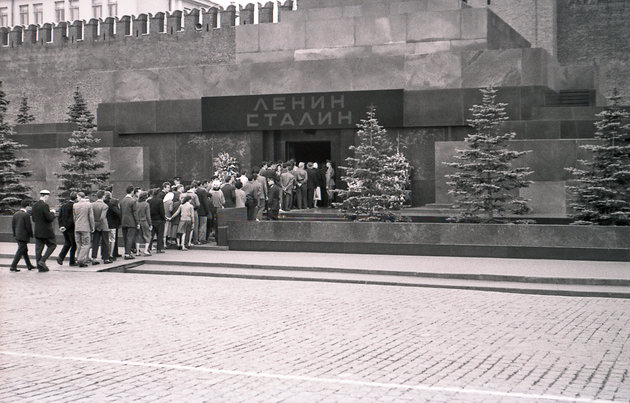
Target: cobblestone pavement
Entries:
(124, 337)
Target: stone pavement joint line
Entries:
(308, 378)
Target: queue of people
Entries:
(172, 216)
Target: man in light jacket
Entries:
(83, 216)
(101, 229)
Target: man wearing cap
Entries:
(43, 218)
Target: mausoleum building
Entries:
(294, 82)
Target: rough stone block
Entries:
(333, 33)
(375, 9)
(378, 73)
(265, 57)
(180, 83)
(135, 117)
(469, 44)
(330, 13)
(105, 117)
(227, 79)
(439, 5)
(436, 70)
(423, 48)
(284, 36)
(352, 12)
(534, 66)
(433, 26)
(546, 197)
(434, 108)
(505, 71)
(136, 85)
(407, 7)
(128, 164)
(380, 30)
(247, 38)
(474, 23)
(179, 116)
(332, 53)
(547, 158)
(393, 49)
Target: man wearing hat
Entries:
(43, 218)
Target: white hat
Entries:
(44, 192)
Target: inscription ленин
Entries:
(299, 111)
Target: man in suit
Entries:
(129, 220)
(66, 226)
(113, 223)
(101, 229)
(229, 192)
(202, 211)
(158, 219)
(287, 183)
(43, 218)
(301, 178)
(273, 204)
(83, 227)
(22, 232)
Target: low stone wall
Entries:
(495, 240)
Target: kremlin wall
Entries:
(269, 88)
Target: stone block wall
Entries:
(332, 33)
(548, 159)
(597, 31)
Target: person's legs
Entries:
(203, 228)
(22, 251)
(160, 235)
(112, 243)
(67, 244)
(105, 252)
(96, 241)
(50, 248)
(39, 248)
(83, 246)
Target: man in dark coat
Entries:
(129, 220)
(311, 183)
(113, 222)
(203, 211)
(158, 220)
(43, 218)
(273, 204)
(22, 232)
(66, 226)
(229, 192)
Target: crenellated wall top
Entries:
(193, 22)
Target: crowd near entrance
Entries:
(315, 151)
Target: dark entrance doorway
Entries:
(308, 151)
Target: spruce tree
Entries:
(484, 184)
(377, 175)
(24, 115)
(602, 192)
(79, 113)
(12, 190)
(82, 172)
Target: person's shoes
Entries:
(117, 255)
(41, 266)
(60, 261)
(108, 261)
(31, 268)
(179, 247)
(83, 265)
(94, 262)
(129, 257)
(184, 248)
(14, 269)
(74, 264)
(159, 251)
